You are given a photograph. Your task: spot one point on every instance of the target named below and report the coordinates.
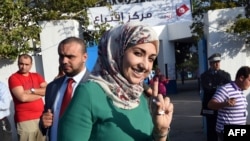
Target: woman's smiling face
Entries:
(138, 62)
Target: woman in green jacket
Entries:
(111, 106)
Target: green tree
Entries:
(19, 24)
(72, 9)
(202, 6)
(17, 28)
(185, 58)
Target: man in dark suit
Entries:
(72, 58)
(211, 79)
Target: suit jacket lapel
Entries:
(54, 90)
(85, 76)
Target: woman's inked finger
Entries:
(155, 86)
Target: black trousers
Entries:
(211, 131)
(5, 130)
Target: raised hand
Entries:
(162, 112)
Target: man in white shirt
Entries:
(5, 100)
(72, 58)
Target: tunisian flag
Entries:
(181, 10)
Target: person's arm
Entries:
(166, 81)
(24, 95)
(20, 93)
(220, 99)
(46, 119)
(162, 113)
(42, 85)
(162, 121)
(215, 105)
(40, 91)
(5, 97)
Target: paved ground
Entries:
(187, 123)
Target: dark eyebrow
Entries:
(20, 63)
(66, 55)
(143, 50)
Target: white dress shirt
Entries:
(5, 100)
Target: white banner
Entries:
(113, 2)
(152, 13)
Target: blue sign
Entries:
(92, 56)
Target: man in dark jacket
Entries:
(211, 79)
(72, 58)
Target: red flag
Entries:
(181, 10)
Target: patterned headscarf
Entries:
(108, 72)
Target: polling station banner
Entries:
(153, 13)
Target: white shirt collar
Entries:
(77, 78)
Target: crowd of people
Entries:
(113, 102)
(223, 101)
(111, 97)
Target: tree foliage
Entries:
(202, 6)
(72, 9)
(17, 28)
(19, 24)
(242, 24)
(185, 58)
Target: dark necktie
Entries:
(67, 96)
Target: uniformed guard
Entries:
(210, 81)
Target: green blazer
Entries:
(91, 116)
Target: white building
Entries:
(235, 52)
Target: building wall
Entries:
(235, 53)
(166, 55)
(231, 46)
(52, 33)
(179, 30)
